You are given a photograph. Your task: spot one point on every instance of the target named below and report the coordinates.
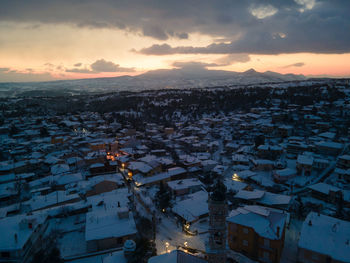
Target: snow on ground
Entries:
(169, 232)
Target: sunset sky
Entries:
(67, 39)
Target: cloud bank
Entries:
(263, 27)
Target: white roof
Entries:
(275, 199)
(234, 185)
(333, 145)
(328, 135)
(54, 198)
(193, 207)
(285, 172)
(68, 178)
(246, 174)
(140, 166)
(265, 221)
(345, 157)
(323, 188)
(110, 199)
(59, 169)
(305, 159)
(103, 224)
(15, 225)
(327, 236)
(184, 183)
(248, 195)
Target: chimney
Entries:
(278, 231)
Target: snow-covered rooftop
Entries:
(266, 222)
(103, 224)
(326, 235)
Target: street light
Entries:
(167, 247)
(235, 177)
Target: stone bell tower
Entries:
(216, 246)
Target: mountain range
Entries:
(155, 79)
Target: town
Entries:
(136, 176)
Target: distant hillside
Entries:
(156, 79)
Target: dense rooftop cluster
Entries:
(84, 174)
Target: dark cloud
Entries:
(155, 32)
(12, 75)
(102, 65)
(99, 66)
(298, 64)
(263, 27)
(223, 61)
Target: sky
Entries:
(43, 40)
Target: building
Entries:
(20, 237)
(216, 247)
(343, 162)
(329, 148)
(257, 232)
(185, 186)
(284, 175)
(326, 192)
(304, 164)
(324, 239)
(109, 228)
(193, 208)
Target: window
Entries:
(245, 242)
(5, 254)
(245, 230)
(266, 255)
(233, 227)
(266, 242)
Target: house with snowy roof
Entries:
(324, 239)
(343, 161)
(101, 184)
(185, 186)
(326, 192)
(329, 147)
(269, 151)
(257, 232)
(284, 175)
(304, 164)
(20, 237)
(193, 208)
(109, 228)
